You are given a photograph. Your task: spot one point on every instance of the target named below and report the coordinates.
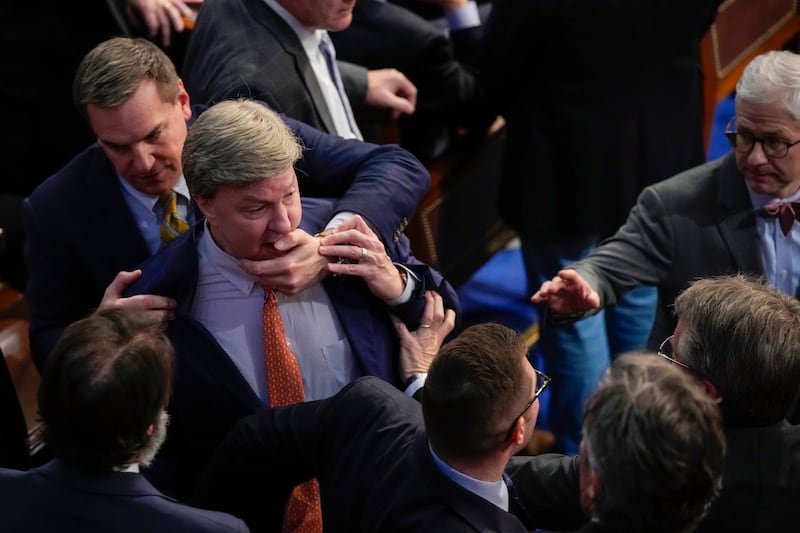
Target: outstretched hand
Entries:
(567, 293)
(418, 348)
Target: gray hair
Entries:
(654, 438)
(237, 142)
(745, 338)
(115, 68)
(773, 77)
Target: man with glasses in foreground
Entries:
(731, 215)
(384, 461)
(741, 340)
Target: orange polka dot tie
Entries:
(303, 512)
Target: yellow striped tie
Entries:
(172, 223)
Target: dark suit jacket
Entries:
(368, 448)
(80, 232)
(242, 48)
(57, 497)
(444, 69)
(760, 483)
(697, 224)
(210, 394)
(600, 99)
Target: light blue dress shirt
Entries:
(781, 253)
(495, 492)
(142, 205)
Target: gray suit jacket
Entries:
(242, 48)
(697, 224)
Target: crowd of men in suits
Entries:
(153, 253)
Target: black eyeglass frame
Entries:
(540, 386)
(733, 135)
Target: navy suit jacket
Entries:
(57, 497)
(210, 394)
(368, 448)
(80, 232)
(242, 48)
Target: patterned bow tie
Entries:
(787, 213)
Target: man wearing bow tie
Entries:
(709, 220)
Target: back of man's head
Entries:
(652, 451)
(475, 387)
(235, 143)
(744, 337)
(112, 71)
(106, 382)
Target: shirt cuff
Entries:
(338, 218)
(466, 16)
(416, 384)
(411, 284)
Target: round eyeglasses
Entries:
(744, 141)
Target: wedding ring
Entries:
(426, 326)
(363, 253)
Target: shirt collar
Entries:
(226, 265)
(148, 200)
(495, 492)
(309, 37)
(759, 200)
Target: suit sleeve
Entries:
(264, 456)
(548, 487)
(640, 253)
(383, 184)
(429, 278)
(56, 284)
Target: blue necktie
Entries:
(326, 47)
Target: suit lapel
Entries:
(107, 203)
(287, 38)
(737, 220)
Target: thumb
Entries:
(400, 327)
(123, 279)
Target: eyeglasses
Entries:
(665, 351)
(744, 141)
(541, 383)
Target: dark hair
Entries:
(112, 71)
(744, 337)
(105, 382)
(475, 387)
(654, 438)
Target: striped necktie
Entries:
(303, 512)
(173, 224)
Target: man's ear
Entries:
(206, 206)
(590, 488)
(517, 438)
(710, 388)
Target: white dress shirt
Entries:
(310, 39)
